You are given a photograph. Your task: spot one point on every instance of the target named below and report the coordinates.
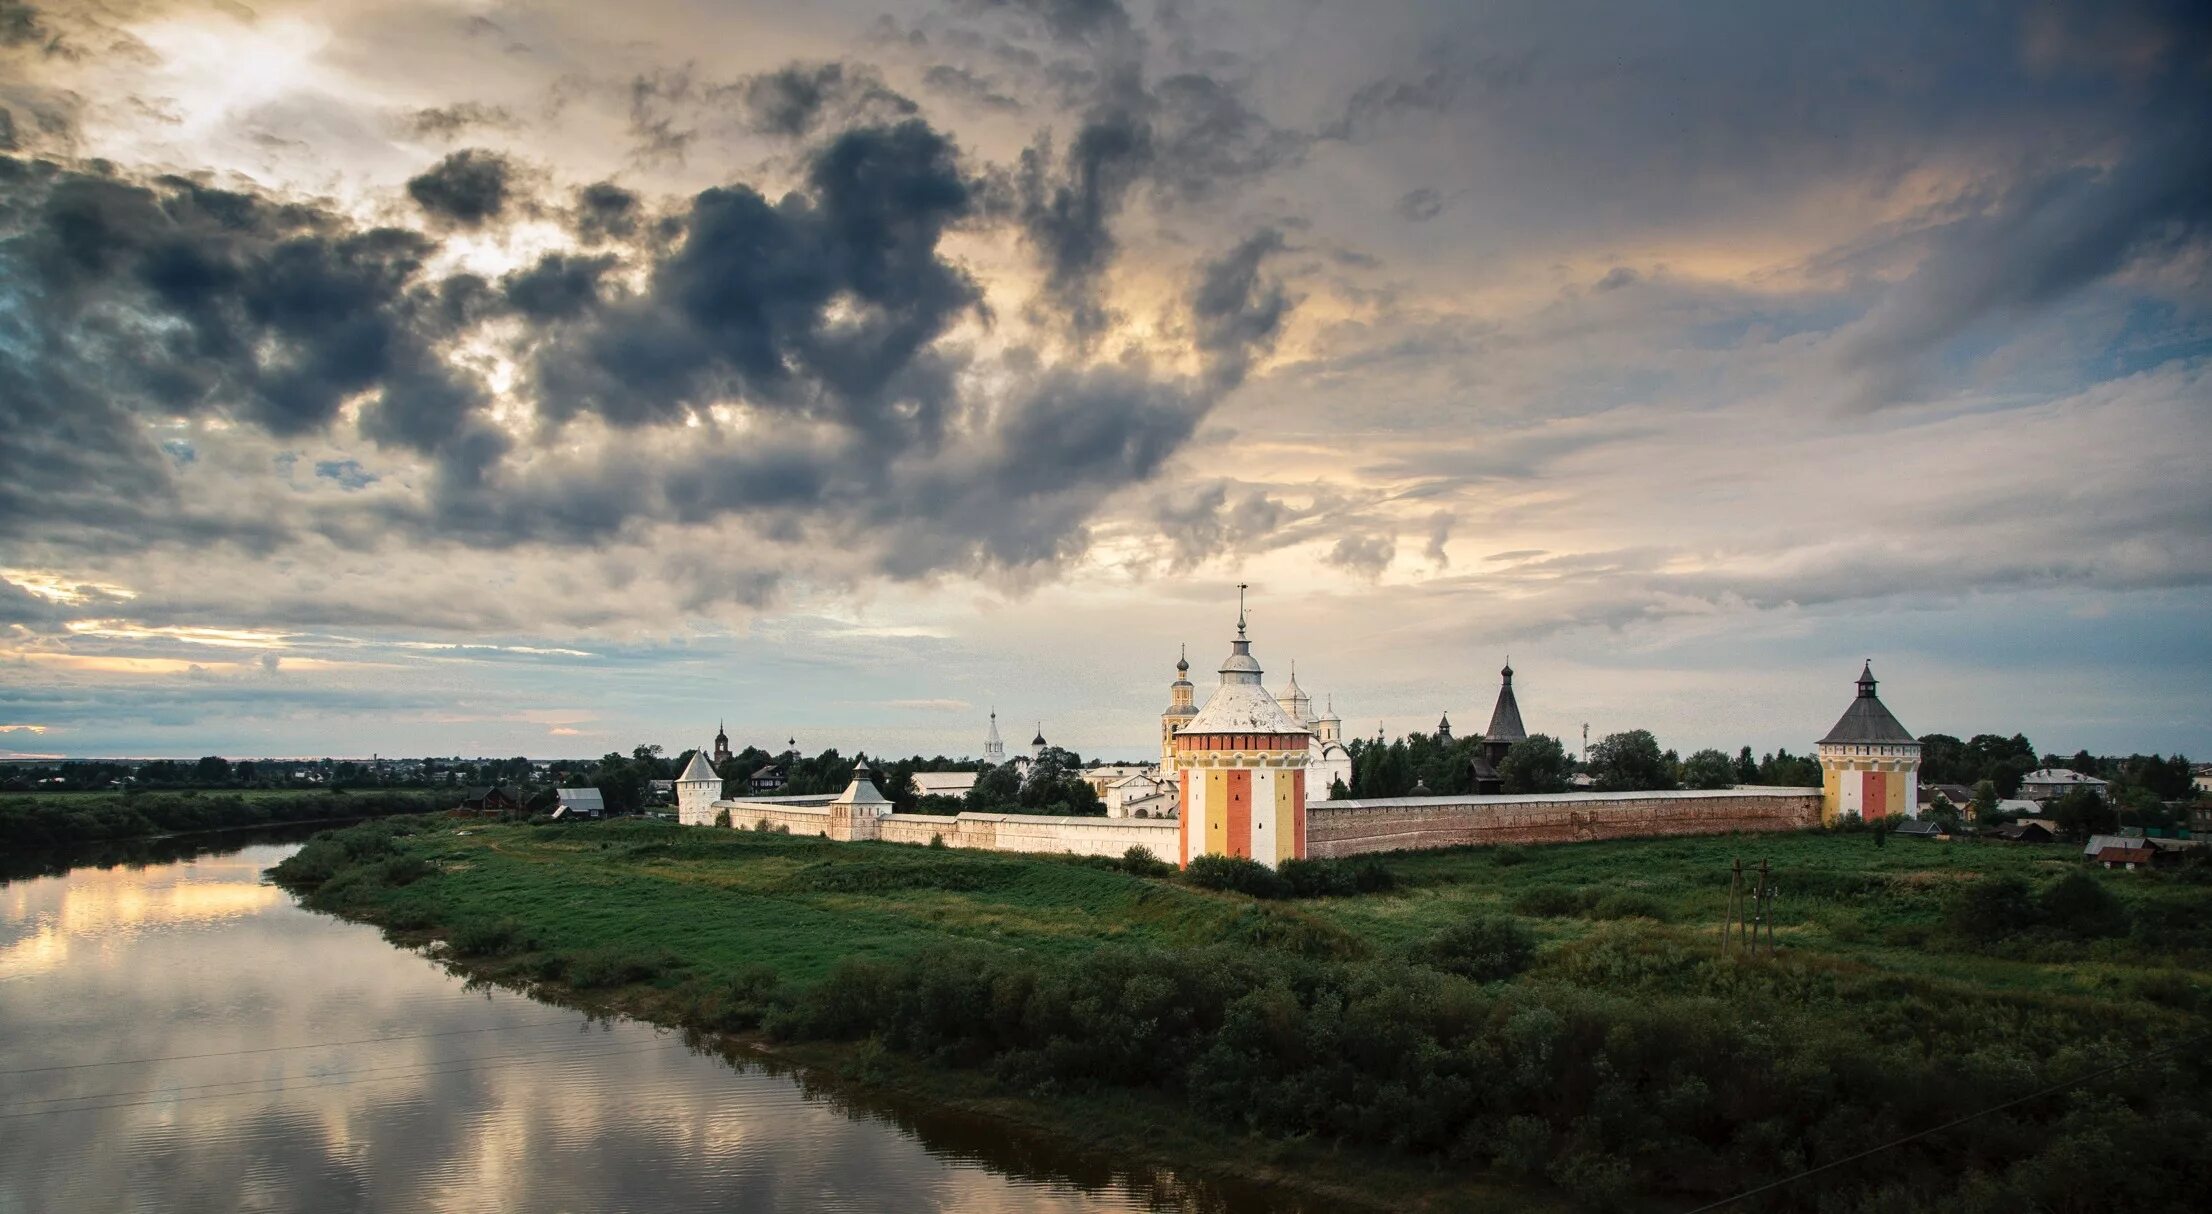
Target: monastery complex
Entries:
(1249, 774)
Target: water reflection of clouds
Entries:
(580, 1123)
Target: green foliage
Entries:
(1335, 878)
(1992, 907)
(610, 966)
(2081, 813)
(1140, 862)
(1627, 1057)
(722, 818)
(1535, 764)
(895, 876)
(1553, 901)
(1630, 762)
(36, 823)
(1709, 769)
(1235, 874)
(1485, 948)
(488, 937)
(1624, 904)
(2078, 904)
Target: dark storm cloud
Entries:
(558, 286)
(1237, 315)
(467, 188)
(959, 82)
(605, 211)
(1182, 139)
(799, 97)
(449, 121)
(1209, 140)
(2046, 239)
(170, 298)
(744, 301)
(1068, 207)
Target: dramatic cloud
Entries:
(798, 97)
(979, 347)
(467, 188)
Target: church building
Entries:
(1505, 729)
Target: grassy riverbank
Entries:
(1512, 1028)
(32, 822)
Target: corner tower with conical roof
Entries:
(1241, 768)
(1181, 707)
(1869, 763)
(697, 789)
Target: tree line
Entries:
(1420, 764)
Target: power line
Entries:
(133, 1104)
(220, 1083)
(1952, 1124)
(272, 1049)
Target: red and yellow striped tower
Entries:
(1241, 768)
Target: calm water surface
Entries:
(180, 1036)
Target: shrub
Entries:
(404, 870)
(1625, 905)
(1484, 948)
(891, 876)
(488, 938)
(1140, 862)
(1336, 878)
(1551, 901)
(937, 841)
(1507, 857)
(722, 818)
(2080, 905)
(613, 965)
(1991, 907)
(1236, 874)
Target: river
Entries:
(176, 1034)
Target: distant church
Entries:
(1505, 729)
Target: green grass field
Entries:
(1500, 1028)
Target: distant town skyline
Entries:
(434, 377)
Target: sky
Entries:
(460, 377)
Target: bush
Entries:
(1507, 857)
(1485, 948)
(488, 938)
(1625, 905)
(957, 875)
(404, 870)
(1552, 901)
(2078, 904)
(1140, 862)
(1991, 907)
(1336, 878)
(722, 818)
(1236, 874)
(613, 965)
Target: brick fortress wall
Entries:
(1350, 828)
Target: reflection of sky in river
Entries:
(491, 1101)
